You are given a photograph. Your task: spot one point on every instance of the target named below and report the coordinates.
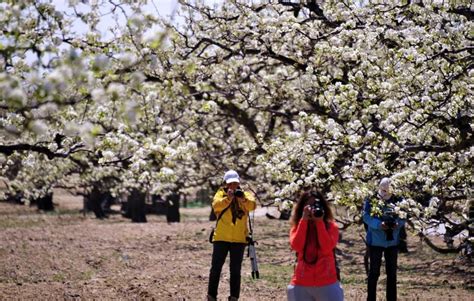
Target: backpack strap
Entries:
(222, 213)
(211, 235)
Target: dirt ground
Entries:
(66, 255)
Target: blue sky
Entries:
(164, 8)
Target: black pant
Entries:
(221, 248)
(391, 255)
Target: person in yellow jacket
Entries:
(231, 206)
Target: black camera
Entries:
(317, 208)
(239, 193)
(390, 219)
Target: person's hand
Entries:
(308, 213)
(230, 194)
(242, 199)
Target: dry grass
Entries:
(64, 255)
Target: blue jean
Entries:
(331, 292)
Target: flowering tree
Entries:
(337, 95)
(332, 94)
(85, 103)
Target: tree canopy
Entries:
(292, 94)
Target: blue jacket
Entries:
(376, 236)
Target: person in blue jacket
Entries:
(383, 237)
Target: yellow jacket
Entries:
(226, 230)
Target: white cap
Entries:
(385, 183)
(231, 176)
(384, 188)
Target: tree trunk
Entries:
(136, 206)
(207, 195)
(471, 218)
(94, 201)
(185, 202)
(45, 203)
(172, 216)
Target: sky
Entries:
(164, 8)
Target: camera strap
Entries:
(311, 237)
(308, 234)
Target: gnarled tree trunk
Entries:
(172, 216)
(136, 206)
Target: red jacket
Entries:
(323, 272)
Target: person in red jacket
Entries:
(314, 235)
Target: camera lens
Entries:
(238, 193)
(317, 209)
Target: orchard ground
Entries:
(64, 255)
